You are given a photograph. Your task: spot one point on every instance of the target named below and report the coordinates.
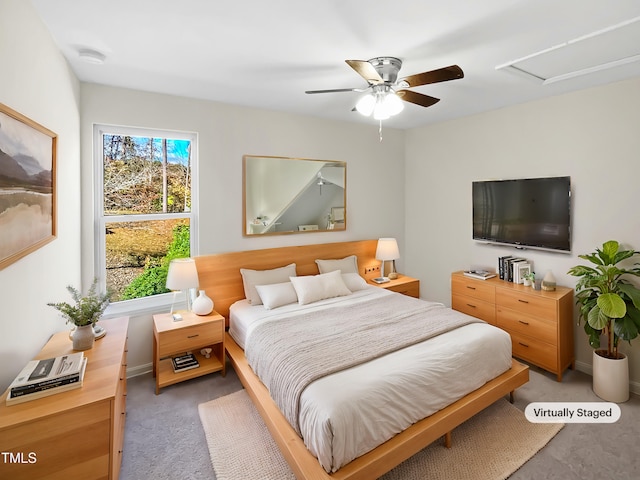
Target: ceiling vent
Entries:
(600, 50)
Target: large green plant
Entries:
(609, 303)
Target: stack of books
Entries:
(513, 269)
(479, 274)
(41, 378)
(184, 362)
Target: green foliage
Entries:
(609, 304)
(87, 309)
(153, 279)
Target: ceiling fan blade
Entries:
(366, 71)
(417, 98)
(338, 90)
(445, 74)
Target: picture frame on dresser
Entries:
(521, 269)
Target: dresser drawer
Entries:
(411, 289)
(189, 338)
(474, 307)
(461, 285)
(540, 353)
(532, 305)
(535, 327)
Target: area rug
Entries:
(492, 445)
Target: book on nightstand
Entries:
(184, 362)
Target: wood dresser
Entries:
(76, 434)
(540, 322)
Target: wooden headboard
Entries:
(220, 277)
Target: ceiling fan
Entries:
(381, 73)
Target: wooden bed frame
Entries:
(220, 277)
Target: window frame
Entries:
(151, 303)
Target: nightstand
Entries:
(403, 284)
(191, 334)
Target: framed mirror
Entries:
(282, 195)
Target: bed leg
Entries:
(512, 396)
(447, 439)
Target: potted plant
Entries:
(529, 279)
(610, 306)
(84, 314)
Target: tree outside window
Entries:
(147, 214)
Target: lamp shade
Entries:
(387, 249)
(182, 274)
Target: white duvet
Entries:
(347, 414)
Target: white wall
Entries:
(36, 82)
(590, 135)
(225, 134)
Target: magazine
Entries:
(46, 390)
(40, 372)
(479, 274)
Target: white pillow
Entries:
(312, 288)
(251, 278)
(277, 294)
(345, 265)
(354, 281)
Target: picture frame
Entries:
(337, 214)
(520, 269)
(27, 186)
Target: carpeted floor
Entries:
(164, 438)
(491, 445)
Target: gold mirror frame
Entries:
(283, 195)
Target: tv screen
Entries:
(533, 212)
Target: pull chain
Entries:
(380, 131)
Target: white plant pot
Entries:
(611, 378)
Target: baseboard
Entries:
(139, 370)
(634, 387)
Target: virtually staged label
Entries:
(572, 412)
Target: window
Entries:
(146, 212)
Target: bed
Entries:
(399, 411)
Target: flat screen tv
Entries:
(532, 212)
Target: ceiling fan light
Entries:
(381, 112)
(366, 104)
(393, 104)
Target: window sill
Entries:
(146, 306)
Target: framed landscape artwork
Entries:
(27, 186)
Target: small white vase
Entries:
(611, 378)
(202, 305)
(83, 337)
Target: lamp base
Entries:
(380, 280)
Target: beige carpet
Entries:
(492, 445)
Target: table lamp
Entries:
(183, 276)
(387, 250)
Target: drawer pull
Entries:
(523, 301)
(471, 288)
(523, 322)
(524, 344)
(469, 305)
(193, 336)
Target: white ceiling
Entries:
(265, 54)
